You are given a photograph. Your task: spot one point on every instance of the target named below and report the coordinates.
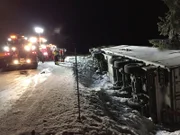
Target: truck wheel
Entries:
(35, 65)
(112, 60)
(120, 63)
(133, 68)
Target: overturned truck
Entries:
(149, 71)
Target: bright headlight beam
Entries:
(9, 39)
(33, 39)
(13, 48)
(16, 62)
(27, 48)
(28, 61)
(6, 48)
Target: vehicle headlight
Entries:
(33, 39)
(6, 48)
(13, 48)
(28, 61)
(27, 48)
(16, 62)
(45, 53)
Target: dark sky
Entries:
(84, 23)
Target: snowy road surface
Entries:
(39, 100)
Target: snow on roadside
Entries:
(87, 76)
(168, 133)
(110, 112)
(113, 118)
(71, 59)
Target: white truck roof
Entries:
(151, 55)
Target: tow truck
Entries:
(47, 51)
(19, 52)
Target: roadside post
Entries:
(77, 81)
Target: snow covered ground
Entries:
(44, 102)
(14, 84)
(168, 133)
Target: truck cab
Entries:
(20, 53)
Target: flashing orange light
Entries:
(13, 36)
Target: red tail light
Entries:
(33, 52)
(7, 53)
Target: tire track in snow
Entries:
(17, 84)
(49, 105)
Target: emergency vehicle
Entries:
(47, 51)
(19, 52)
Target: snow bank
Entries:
(85, 71)
(87, 74)
(113, 117)
(168, 133)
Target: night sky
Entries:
(83, 23)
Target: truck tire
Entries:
(134, 68)
(120, 63)
(35, 65)
(112, 60)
